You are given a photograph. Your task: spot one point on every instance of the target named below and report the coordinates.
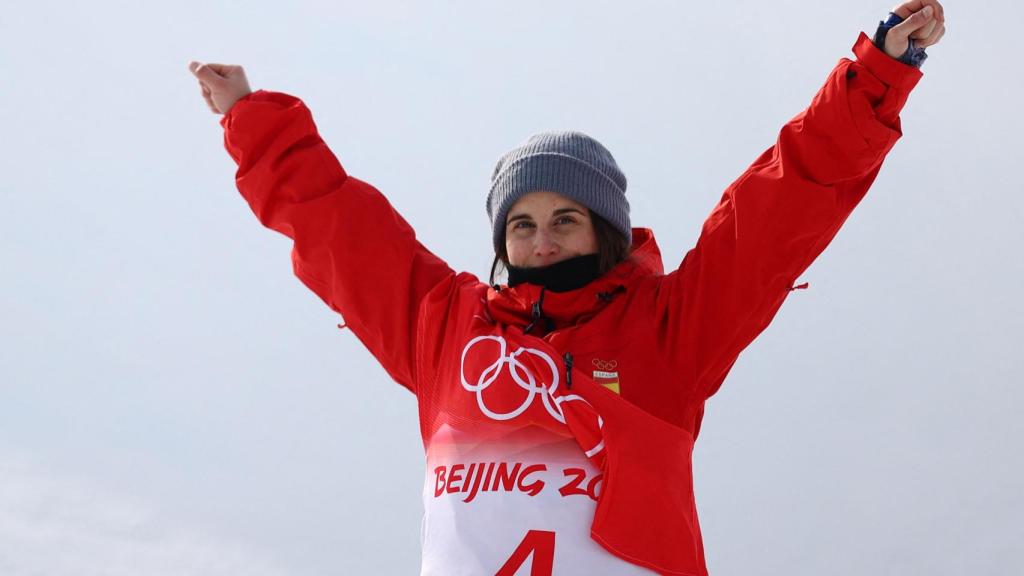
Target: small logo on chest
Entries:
(605, 374)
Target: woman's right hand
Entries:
(222, 84)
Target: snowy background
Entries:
(173, 401)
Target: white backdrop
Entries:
(173, 401)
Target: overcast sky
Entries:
(174, 401)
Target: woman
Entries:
(559, 411)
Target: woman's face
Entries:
(544, 227)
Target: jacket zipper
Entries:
(567, 357)
(537, 314)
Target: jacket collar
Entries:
(517, 306)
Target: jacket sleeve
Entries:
(350, 246)
(775, 219)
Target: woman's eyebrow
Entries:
(557, 212)
(515, 217)
(561, 211)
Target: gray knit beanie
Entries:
(568, 163)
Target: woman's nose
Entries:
(544, 244)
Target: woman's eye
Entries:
(521, 224)
(565, 220)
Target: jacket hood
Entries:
(518, 306)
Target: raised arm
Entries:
(350, 246)
(779, 215)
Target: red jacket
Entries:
(668, 340)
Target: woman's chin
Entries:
(543, 263)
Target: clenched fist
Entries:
(923, 21)
(222, 84)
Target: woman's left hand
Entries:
(923, 20)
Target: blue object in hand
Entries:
(914, 56)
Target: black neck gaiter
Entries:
(561, 276)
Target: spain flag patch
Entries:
(609, 380)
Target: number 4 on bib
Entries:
(541, 544)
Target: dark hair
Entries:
(612, 246)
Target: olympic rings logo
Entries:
(605, 364)
(521, 375)
(528, 381)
